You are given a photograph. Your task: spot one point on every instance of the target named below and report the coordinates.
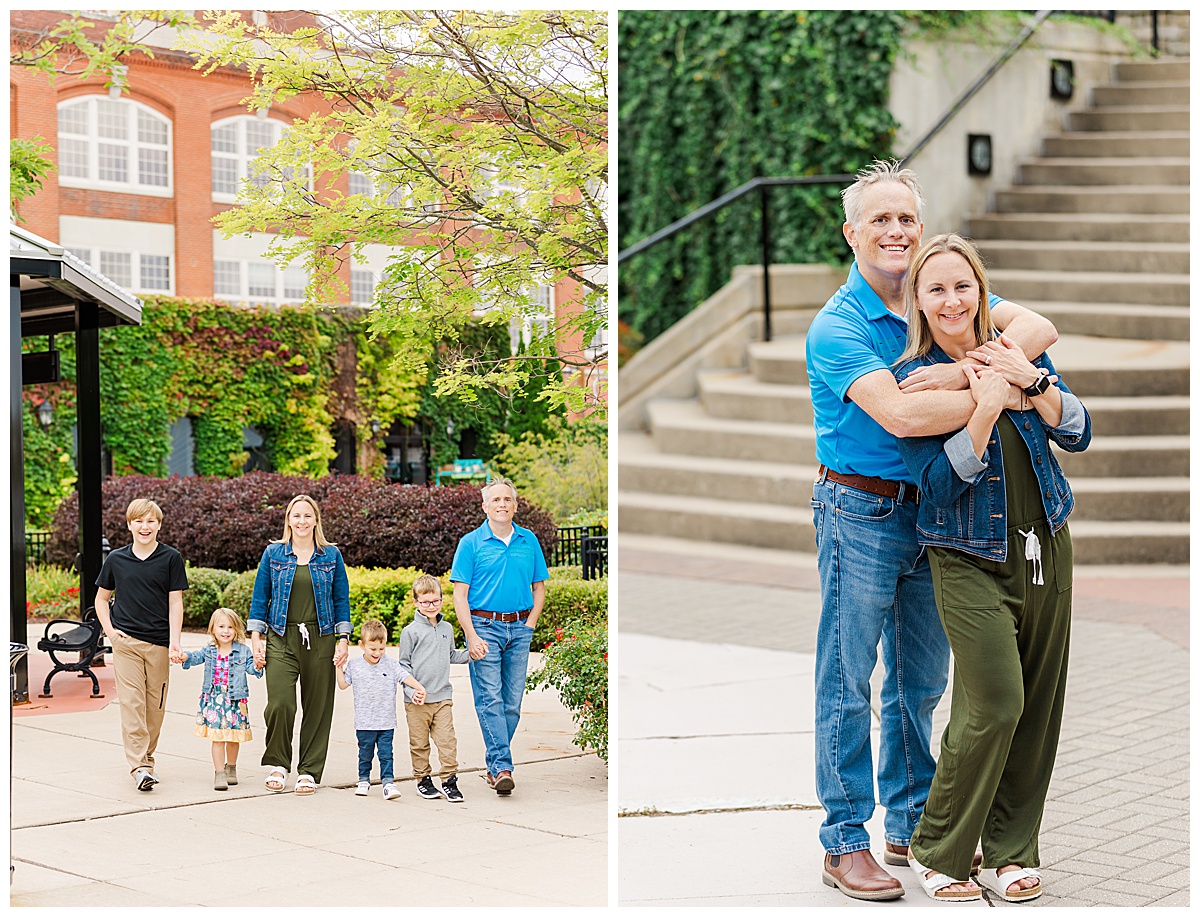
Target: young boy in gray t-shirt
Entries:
(375, 677)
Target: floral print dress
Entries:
(221, 718)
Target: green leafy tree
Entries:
(564, 470)
(483, 134)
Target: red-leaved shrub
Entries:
(227, 522)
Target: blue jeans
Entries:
(875, 583)
(368, 739)
(498, 685)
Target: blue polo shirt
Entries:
(854, 334)
(501, 576)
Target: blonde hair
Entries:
(318, 533)
(239, 629)
(920, 340)
(139, 508)
(373, 630)
(426, 585)
(879, 171)
(496, 482)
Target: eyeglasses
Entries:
(437, 601)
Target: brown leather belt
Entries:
(893, 490)
(507, 617)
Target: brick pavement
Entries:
(1116, 827)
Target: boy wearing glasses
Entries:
(427, 650)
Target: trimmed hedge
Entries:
(239, 592)
(203, 596)
(227, 522)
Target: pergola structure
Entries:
(52, 292)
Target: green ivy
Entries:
(710, 100)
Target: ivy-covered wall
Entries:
(712, 99)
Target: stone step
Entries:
(1130, 118)
(1166, 499)
(1080, 227)
(1105, 542)
(741, 396)
(1145, 92)
(1153, 71)
(1112, 170)
(682, 427)
(1128, 457)
(1091, 366)
(1094, 541)
(1115, 320)
(1120, 143)
(644, 469)
(702, 519)
(738, 395)
(1147, 199)
(1074, 286)
(1132, 257)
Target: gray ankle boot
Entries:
(231, 774)
(219, 781)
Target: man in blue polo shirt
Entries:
(499, 575)
(875, 580)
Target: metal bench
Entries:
(64, 635)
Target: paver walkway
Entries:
(83, 835)
(717, 801)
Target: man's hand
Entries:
(941, 377)
(477, 647)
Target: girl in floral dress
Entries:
(223, 715)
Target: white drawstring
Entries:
(1033, 551)
(304, 635)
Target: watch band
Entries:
(1038, 387)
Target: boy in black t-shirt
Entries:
(142, 619)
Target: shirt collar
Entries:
(873, 307)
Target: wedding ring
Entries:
(987, 360)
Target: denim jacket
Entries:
(273, 590)
(962, 498)
(241, 664)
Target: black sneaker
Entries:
(450, 789)
(144, 780)
(426, 789)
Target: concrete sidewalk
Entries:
(84, 836)
(717, 800)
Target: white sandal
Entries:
(939, 882)
(276, 780)
(1000, 883)
(305, 785)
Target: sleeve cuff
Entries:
(256, 627)
(1074, 418)
(961, 453)
(343, 628)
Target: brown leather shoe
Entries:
(502, 783)
(857, 875)
(897, 855)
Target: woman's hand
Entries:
(1006, 358)
(989, 388)
(342, 652)
(258, 649)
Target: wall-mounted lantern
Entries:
(979, 154)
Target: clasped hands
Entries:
(1000, 357)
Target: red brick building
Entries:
(142, 169)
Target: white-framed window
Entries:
(114, 145)
(362, 286)
(378, 183)
(258, 281)
(137, 272)
(236, 142)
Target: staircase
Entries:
(1094, 236)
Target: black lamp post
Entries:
(45, 413)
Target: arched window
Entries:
(114, 145)
(237, 142)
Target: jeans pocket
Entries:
(858, 504)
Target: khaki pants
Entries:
(141, 671)
(436, 721)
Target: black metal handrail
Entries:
(763, 184)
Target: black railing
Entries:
(595, 556)
(762, 185)
(569, 550)
(35, 547)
